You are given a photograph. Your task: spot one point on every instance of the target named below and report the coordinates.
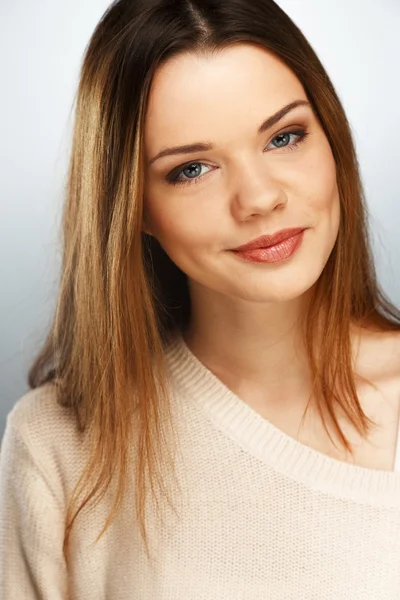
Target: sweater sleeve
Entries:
(32, 566)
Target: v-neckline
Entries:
(257, 435)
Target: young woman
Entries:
(215, 412)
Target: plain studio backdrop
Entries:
(41, 49)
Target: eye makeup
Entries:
(175, 176)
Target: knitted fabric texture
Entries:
(256, 514)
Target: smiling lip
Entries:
(273, 254)
(265, 241)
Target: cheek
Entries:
(179, 222)
(176, 229)
(326, 206)
(323, 193)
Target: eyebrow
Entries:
(204, 146)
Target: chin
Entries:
(279, 289)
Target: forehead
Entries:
(194, 94)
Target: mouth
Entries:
(267, 241)
(275, 253)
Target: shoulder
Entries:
(36, 408)
(377, 371)
(40, 420)
(41, 435)
(377, 354)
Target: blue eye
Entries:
(193, 169)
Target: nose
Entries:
(255, 191)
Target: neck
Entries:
(252, 347)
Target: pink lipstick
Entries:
(272, 248)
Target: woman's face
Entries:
(201, 203)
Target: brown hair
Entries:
(121, 298)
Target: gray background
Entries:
(41, 47)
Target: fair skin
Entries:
(246, 317)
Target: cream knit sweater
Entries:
(260, 516)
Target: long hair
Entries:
(122, 299)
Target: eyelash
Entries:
(172, 177)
